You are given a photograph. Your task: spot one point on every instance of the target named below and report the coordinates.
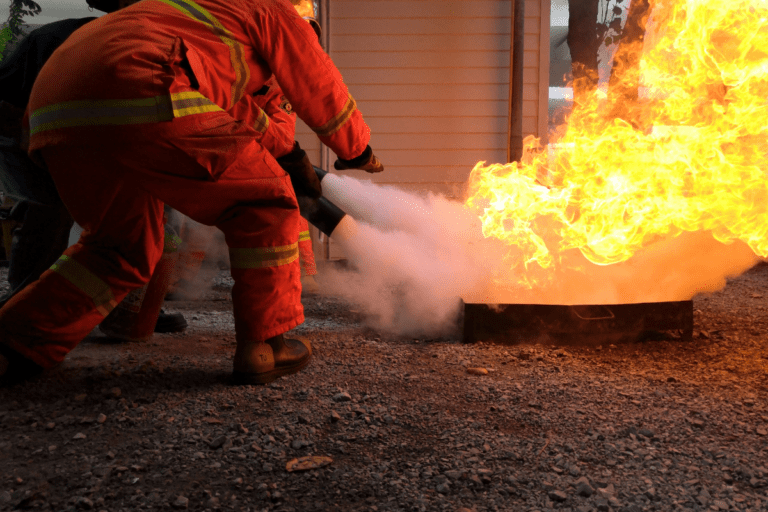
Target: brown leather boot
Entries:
(261, 362)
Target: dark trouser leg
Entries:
(42, 237)
(37, 243)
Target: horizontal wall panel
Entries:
(415, 58)
(531, 75)
(416, 26)
(404, 9)
(437, 125)
(532, 25)
(428, 159)
(532, 8)
(415, 141)
(531, 42)
(432, 108)
(531, 59)
(530, 125)
(442, 42)
(488, 91)
(419, 174)
(457, 76)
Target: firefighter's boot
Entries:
(261, 362)
(14, 368)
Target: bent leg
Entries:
(121, 243)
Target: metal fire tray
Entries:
(511, 323)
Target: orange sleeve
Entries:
(309, 79)
(271, 115)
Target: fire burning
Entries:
(684, 162)
(645, 197)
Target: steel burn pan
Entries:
(512, 323)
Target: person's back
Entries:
(45, 224)
(19, 70)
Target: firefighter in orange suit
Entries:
(130, 113)
(272, 116)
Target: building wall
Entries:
(431, 78)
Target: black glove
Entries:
(303, 176)
(366, 162)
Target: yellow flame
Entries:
(688, 155)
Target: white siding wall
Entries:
(431, 78)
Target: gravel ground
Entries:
(402, 423)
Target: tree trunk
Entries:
(625, 73)
(583, 45)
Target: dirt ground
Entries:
(400, 423)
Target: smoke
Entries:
(414, 259)
(200, 243)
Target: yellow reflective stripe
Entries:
(262, 122)
(303, 236)
(262, 257)
(101, 112)
(119, 112)
(88, 282)
(187, 103)
(236, 51)
(338, 120)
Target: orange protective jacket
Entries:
(271, 115)
(230, 48)
(131, 112)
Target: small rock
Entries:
(101, 418)
(5, 497)
(443, 488)
(115, 392)
(606, 492)
(761, 431)
(84, 503)
(79, 435)
(342, 397)
(80, 397)
(181, 502)
(218, 442)
(477, 371)
(556, 495)
(454, 474)
(646, 432)
(335, 417)
(50, 425)
(583, 488)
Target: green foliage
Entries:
(5, 37)
(14, 27)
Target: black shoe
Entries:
(14, 368)
(170, 322)
(261, 362)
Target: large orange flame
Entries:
(690, 155)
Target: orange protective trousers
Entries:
(116, 193)
(132, 111)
